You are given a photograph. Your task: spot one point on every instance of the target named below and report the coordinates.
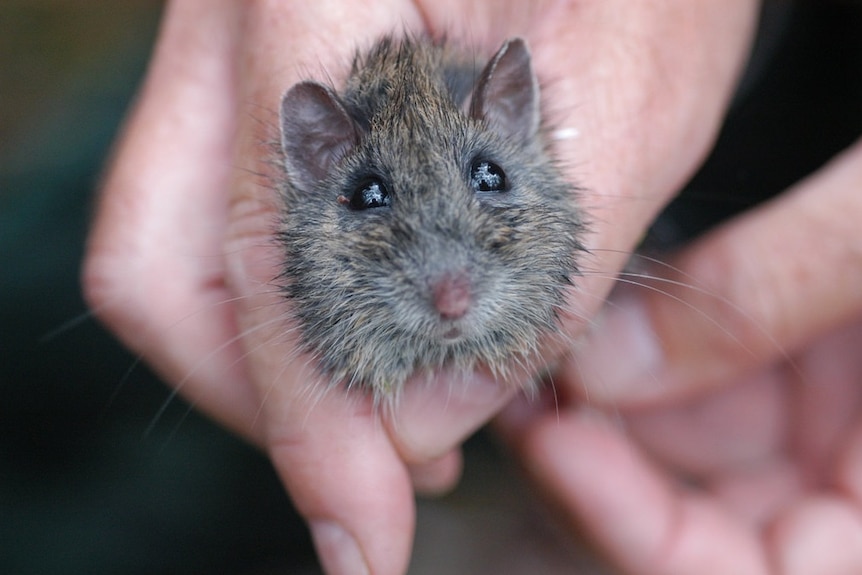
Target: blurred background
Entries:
(95, 479)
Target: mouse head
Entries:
(423, 230)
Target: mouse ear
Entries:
(316, 131)
(507, 92)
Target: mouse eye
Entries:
(487, 177)
(370, 194)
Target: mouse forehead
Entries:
(424, 142)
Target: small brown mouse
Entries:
(425, 223)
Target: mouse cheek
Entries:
(500, 237)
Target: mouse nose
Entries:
(451, 294)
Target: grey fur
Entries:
(359, 281)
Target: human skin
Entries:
(740, 444)
(181, 260)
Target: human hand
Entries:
(740, 444)
(181, 260)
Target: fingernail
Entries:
(337, 549)
(622, 358)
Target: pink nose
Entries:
(451, 295)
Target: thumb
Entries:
(747, 294)
(333, 455)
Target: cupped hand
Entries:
(182, 264)
(733, 377)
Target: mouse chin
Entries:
(452, 334)
(449, 332)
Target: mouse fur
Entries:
(425, 224)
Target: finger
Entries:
(755, 495)
(734, 428)
(438, 476)
(734, 442)
(822, 402)
(818, 535)
(640, 520)
(745, 295)
(331, 451)
(849, 468)
(827, 399)
(345, 478)
(154, 270)
(432, 417)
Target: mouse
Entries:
(425, 222)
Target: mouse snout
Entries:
(452, 294)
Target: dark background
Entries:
(92, 480)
